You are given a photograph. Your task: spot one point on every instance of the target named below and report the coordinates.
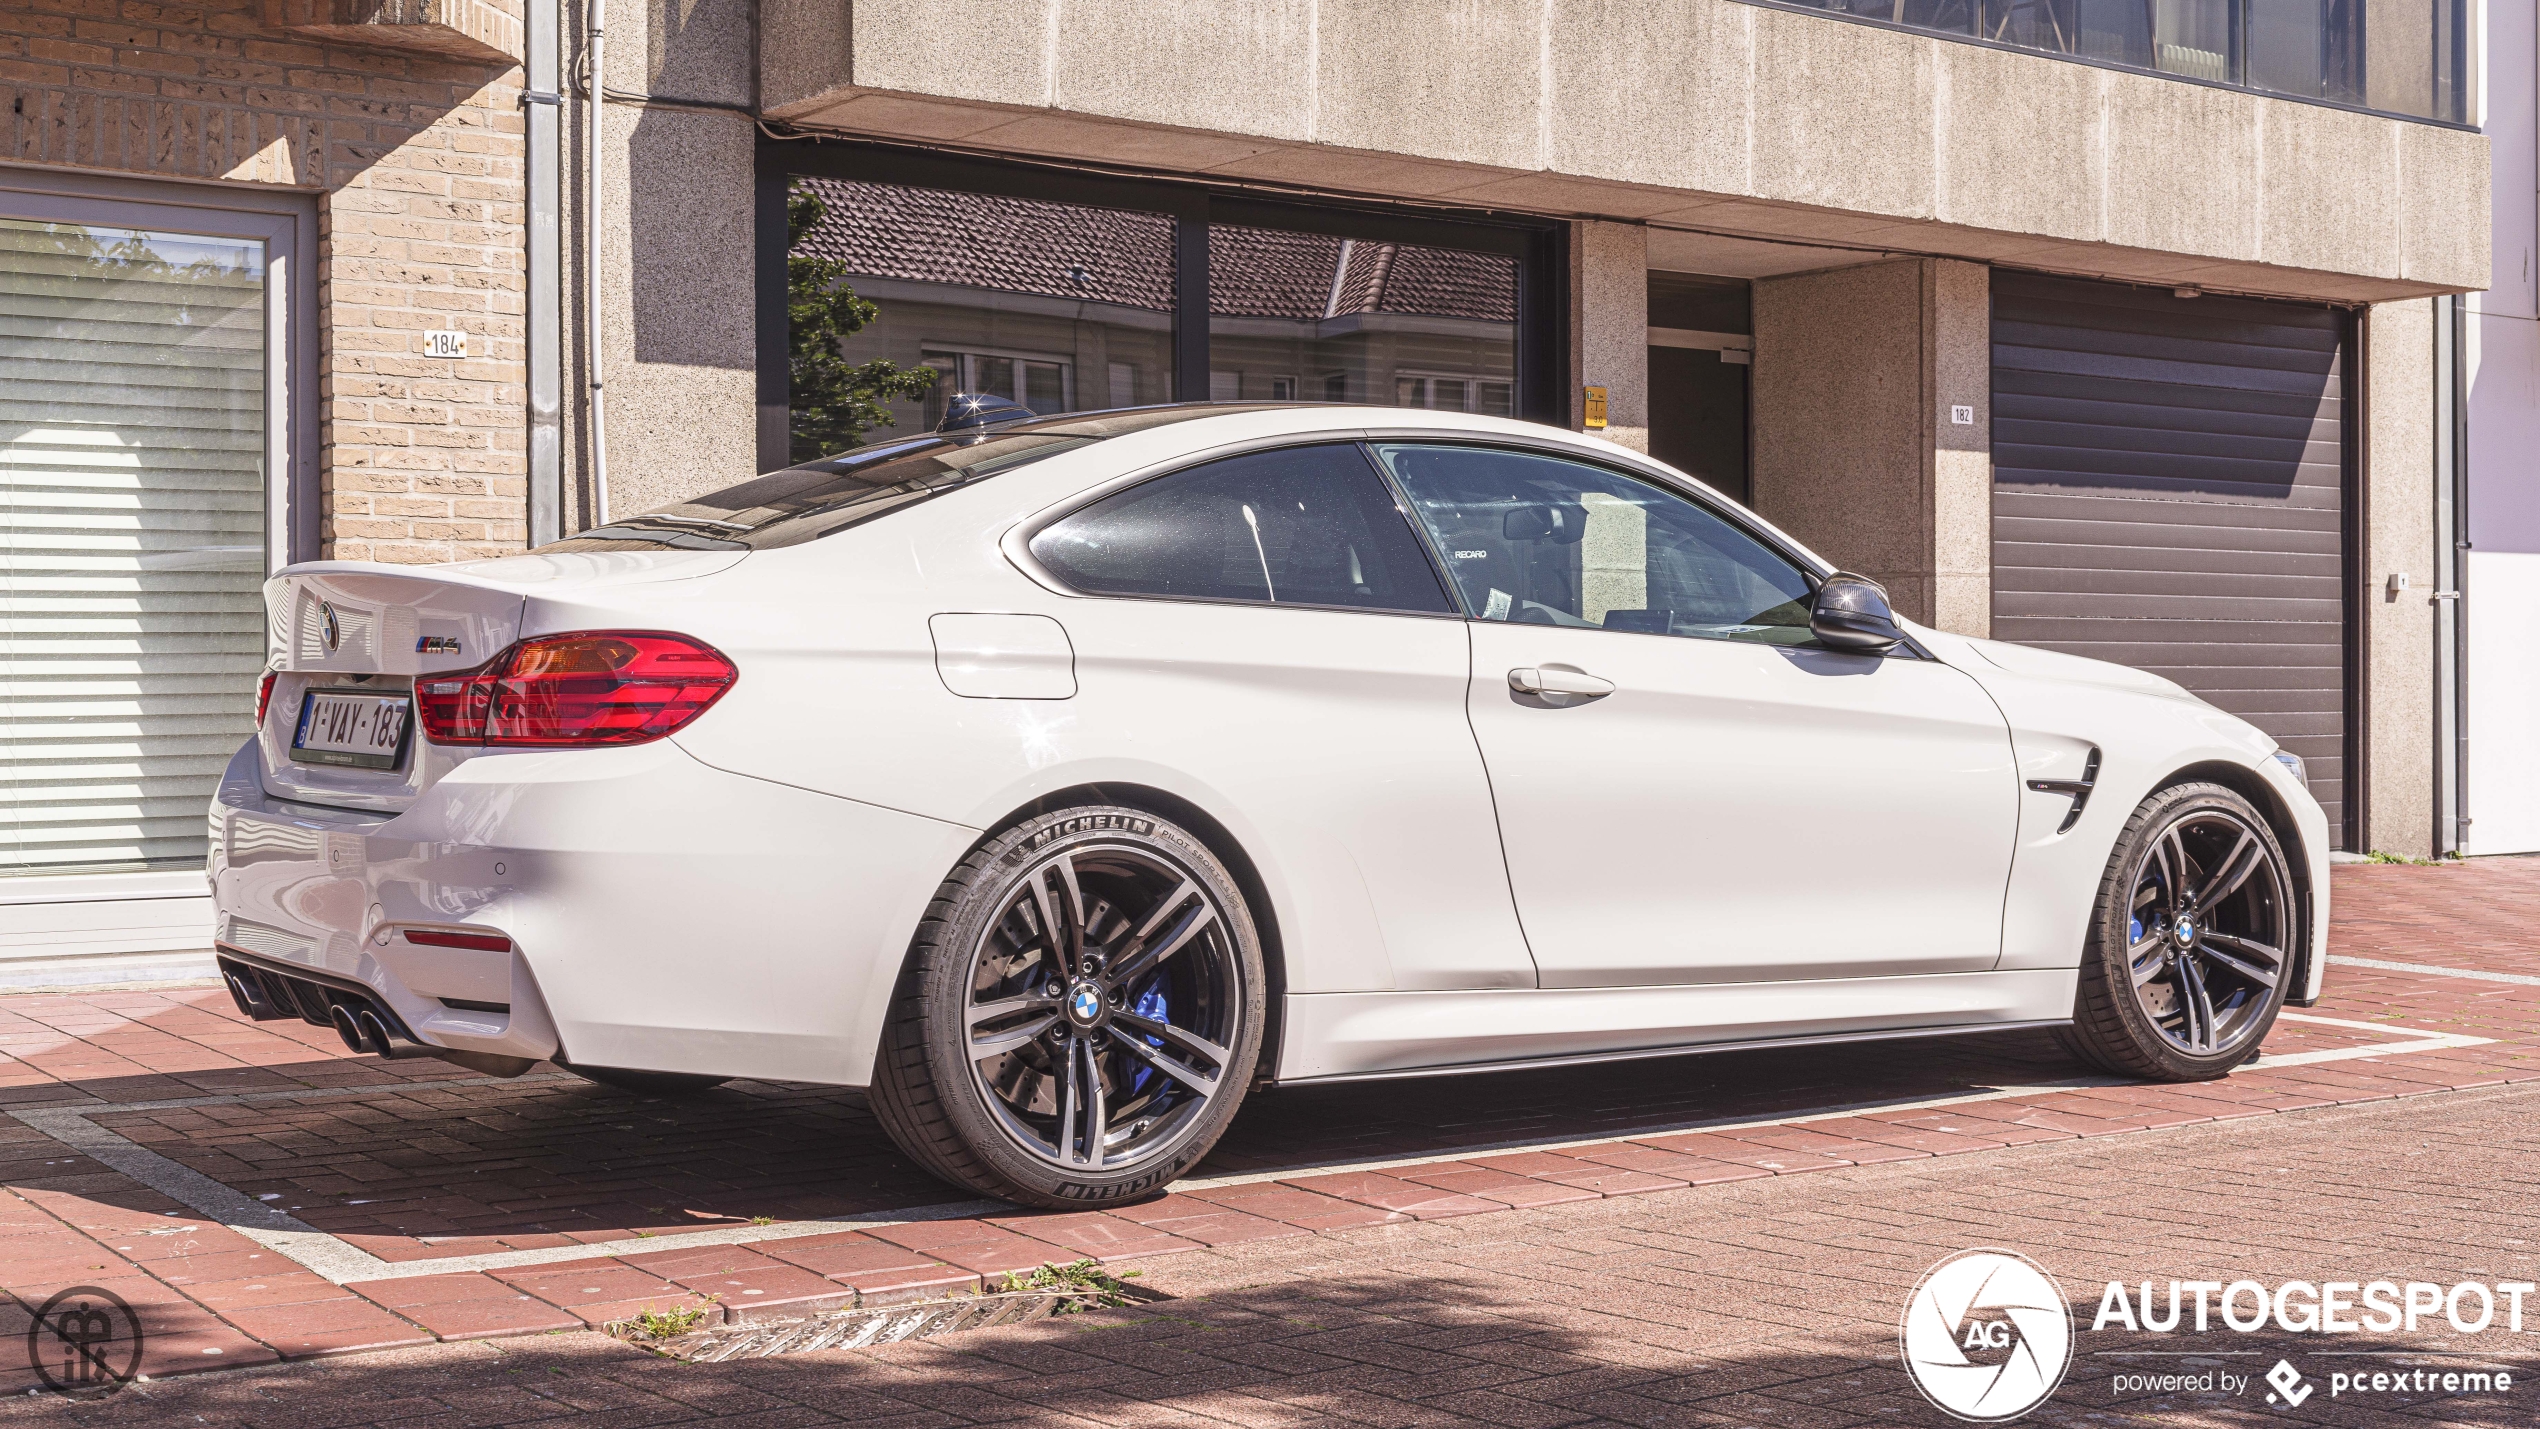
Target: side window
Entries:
(1549, 541)
(1298, 526)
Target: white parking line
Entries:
(341, 1262)
(2434, 971)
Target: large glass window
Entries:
(1059, 306)
(133, 448)
(2405, 57)
(1298, 526)
(909, 280)
(1311, 317)
(1543, 540)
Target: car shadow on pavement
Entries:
(379, 1155)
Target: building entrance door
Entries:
(1701, 350)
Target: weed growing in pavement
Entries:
(1094, 1287)
(668, 1324)
(2450, 859)
(762, 1220)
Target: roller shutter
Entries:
(2169, 493)
(132, 538)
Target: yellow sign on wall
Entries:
(1595, 421)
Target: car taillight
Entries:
(264, 697)
(575, 691)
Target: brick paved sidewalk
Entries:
(1772, 1302)
(410, 1163)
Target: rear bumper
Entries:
(661, 914)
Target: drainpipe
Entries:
(542, 100)
(2451, 577)
(594, 103)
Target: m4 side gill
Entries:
(1062, 780)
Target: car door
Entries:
(1689, 788)
(1271, 630)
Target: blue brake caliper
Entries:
(1150, 1005)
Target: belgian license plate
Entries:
(352, 728)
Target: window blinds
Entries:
(132, 538)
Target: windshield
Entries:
(822, 498)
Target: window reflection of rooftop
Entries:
(1125, 258)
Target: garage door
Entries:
(2169, 494)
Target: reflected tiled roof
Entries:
(1059, 250)
(1114, 256)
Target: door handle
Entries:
(1553, 680)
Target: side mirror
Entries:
(1851, 613)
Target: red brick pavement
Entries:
(1770, 1302)
(411, 1169)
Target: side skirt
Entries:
(1355, 1036)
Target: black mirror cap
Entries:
(1851, 613)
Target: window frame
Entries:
(285, 222)
(1016, 544)
(2470, 85)
(1539, 246)
(1624, 465)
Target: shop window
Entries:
(908, 279)
(1401, 323)
(1061, 307)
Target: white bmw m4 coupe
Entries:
(1062, 780)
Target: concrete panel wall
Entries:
(2399, 536)
(1609, 326)
(1704, 114)
(1856, 370)
(679, 306)
(1958, 358)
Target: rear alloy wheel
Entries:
(1081, 1014)
(2192, 943)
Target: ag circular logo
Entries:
(1986, 1336)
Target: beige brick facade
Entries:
(416, 158)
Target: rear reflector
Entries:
(575, 692)
(264, 697)
(481, 942)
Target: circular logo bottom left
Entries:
(85, 1341)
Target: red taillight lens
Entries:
(575, 691)
(479, 942)
(264, 697)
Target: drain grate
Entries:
(863, 1327)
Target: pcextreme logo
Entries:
(1986, 1336)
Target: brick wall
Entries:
(417, 159)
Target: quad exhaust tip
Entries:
(361, 1030)
(267, 993)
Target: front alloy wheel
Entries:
(2192, 943)
(1081, 1016)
